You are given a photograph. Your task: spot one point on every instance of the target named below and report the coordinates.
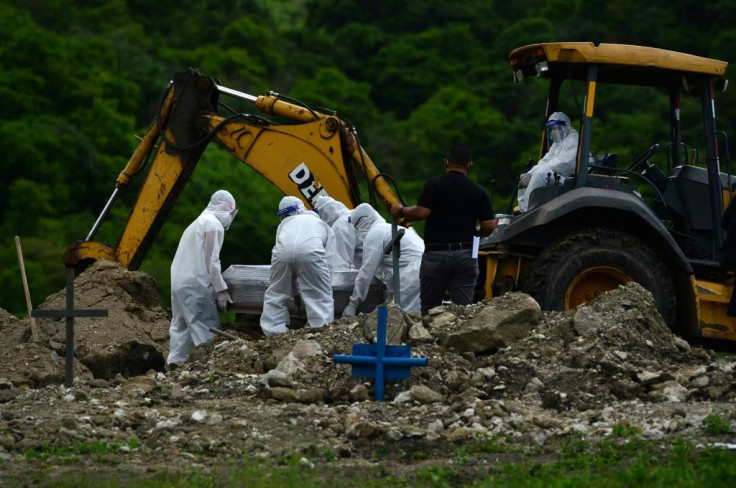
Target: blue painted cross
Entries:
(69, 313)
(380, 361)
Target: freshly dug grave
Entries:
(499, 369)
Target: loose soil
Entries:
(529, 381)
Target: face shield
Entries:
(555, 130)
(290, 206)
(233, 213)
(287, 211)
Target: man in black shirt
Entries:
(452, 205)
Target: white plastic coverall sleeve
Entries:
(196, 276)
(376, 263)
(345, 243)
(299, 261)
(561, 158)
(212, 245)
(337, 216)
(372, 257)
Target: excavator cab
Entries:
(617, 219)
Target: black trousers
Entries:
(443, 270)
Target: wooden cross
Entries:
(69, 313)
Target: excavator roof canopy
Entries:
(618, 63)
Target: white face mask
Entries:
(363, 224)
(230, 219)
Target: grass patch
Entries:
(618, 461)
(717, 424)
(79, 449)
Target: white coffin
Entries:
(248, 283)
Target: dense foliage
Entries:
(82, 78)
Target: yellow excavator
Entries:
(316, 153)
(582, 234)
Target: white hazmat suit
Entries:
(561, 158)
(349, 249)
(375, 233)
(299, 264)
(197, 286)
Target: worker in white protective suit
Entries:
(197, 287)
(375, 233)
(299, 264)
(561, 159)
(349, 249)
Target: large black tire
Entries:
(584, 264)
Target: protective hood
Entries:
(329, 209)
(364, 217)
(558, 127)
(222, 205)
(289, 206)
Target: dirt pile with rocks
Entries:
(500, 369)
(131, 340)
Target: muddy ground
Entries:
(499, 371)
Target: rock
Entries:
(418, 334)
(652, 434)
(290, 364)
(409, 431)
(403, 397)
(458, 434)
(276, 377)
(535, 384)
(671, 391)
(648, 378)
(681, 344)
(214, 419)
(98, 383)
(586, 321)
(198, 415)
(140, 384)
(366, 430)
(700, 382)
(436, 426)
(441, 319)
(424, 394)
(288, 395)
(359, 393)
(503, 321)
(700, 353)
(7, 441)
(306, 349)
(433, 312)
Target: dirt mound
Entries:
(505, 348)
(6, 317)
(617, 349)
(501, 369)
(131, 340)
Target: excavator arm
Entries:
(316, 154)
